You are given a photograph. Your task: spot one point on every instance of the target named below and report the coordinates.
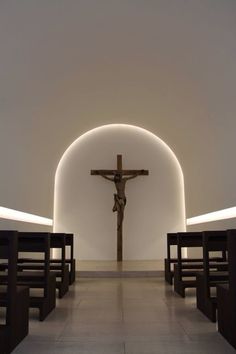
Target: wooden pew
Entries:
(185, 239)
(43, 279)
(12, 297)
(226, 295)
(171, 240)
(209, 278)
(185, 273)
(60, 267)
(170, 261)
(71, 259)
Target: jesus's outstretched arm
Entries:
(109, 178)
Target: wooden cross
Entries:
(119, 198)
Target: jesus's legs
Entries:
(120, 217)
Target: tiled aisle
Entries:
(117, 316)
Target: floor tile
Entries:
(123, 316)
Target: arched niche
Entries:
(83, 203)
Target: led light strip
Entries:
(214, 216)
(11, 214)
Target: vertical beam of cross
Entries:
(119, 198)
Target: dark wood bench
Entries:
(208, 279)
(185, 273)
(42, 279)
(59, 266)
(15, 299)
(170, 261)
(171, 240)
(226, 295)
(69, 260)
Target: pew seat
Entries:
(62, 284)
(45, 303)
(191, 271)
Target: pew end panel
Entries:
(207, 280)
(226, 295)
(12, 297)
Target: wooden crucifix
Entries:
(119, 198)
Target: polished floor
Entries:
(124, 316)
(114, 269)
(120, 266)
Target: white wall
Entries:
(69, 66)
(83, 203)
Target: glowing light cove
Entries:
(214, 216)
(11, 214)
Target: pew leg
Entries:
(49, 302)
(200, 293)
(226, 316)
(204, 303)
(211, 310)
(168, 273)
(178, 285)
(64, 284)
(4, 339)
(72, 272)
(20, 327)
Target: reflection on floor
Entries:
(124, 316)
(120, 269)
(119, 266)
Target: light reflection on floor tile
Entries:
(124, 316)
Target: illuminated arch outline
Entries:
(106, 127)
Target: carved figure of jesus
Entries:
(119, 197)
(117, 176)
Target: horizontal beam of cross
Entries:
(122, 172)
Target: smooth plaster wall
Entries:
(83, 203)
(69, 66)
